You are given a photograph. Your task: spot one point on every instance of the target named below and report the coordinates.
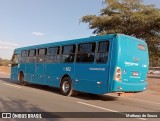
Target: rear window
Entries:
(141, 47)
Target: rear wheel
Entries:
(66, 87)
(21, 79)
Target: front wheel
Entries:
(66, 87)
(21, 80)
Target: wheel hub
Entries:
(65, 86)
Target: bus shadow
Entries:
(44, 88)
(81, 95)
(88, 96)
(8, 80)
(34, 86)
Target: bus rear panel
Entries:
(131, 65)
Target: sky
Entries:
(32, 22)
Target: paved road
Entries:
(154, 82)
(36, 98)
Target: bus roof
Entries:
(65, 42)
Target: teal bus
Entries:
(97, 65)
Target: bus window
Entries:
(102, 54)
(68, 53)
(32, 56)
(52, 53)
(41, 55)
(86, 52)
(14, 60)
(32, 53)
(42, 52)
(24, 54)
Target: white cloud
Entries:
(38, 33)
(7, 45)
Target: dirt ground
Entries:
(153, 80)
(5, 70)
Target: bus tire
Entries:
(21, 79)
(66, 87)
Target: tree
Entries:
(4, 62)
(129, 17)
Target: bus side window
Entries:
(32, 56)
(86, 52)
(41, 55)
(68, 53)
(52, 53)
(23, 57)
(102, 54)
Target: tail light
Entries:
(118, 74)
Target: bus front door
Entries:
(14, 67)
(39, 72)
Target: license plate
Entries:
(134, 73)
